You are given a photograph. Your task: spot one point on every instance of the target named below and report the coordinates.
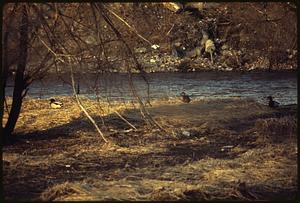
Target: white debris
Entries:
(228, 147)
(129, 130)
(186, 133)
(155, 46)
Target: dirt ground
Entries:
(227, 149)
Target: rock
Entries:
(211, 5)
(175, 7)
(152, 60)
(194, 53)
(228, 69)
(186, 133)
(209, 46)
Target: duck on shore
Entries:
(185, 98)
(55, 104)
(272, 103)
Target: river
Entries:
(199, 85)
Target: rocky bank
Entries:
(200, 36)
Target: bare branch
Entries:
(130, 27)
(82, 107)
(124, 119)
(143, 110)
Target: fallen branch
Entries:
(82, 107)
(124, 119)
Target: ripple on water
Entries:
(257, 86)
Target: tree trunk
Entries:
(3, 79)
(2, 96)
(4, 70)
(19, 84)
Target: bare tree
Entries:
(21, 83)
(53, 35)
(22, 34)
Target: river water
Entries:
(199, 85)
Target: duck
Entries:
(55, 104)
(185, 98)
(272, 103)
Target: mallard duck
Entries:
(55, 104)
(272, 103)
(185, 98)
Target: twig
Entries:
(143, 110)
(125, 120)
(107, 61)
(83, 109)
(131, 28)
(170, 30)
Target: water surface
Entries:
(254, 85)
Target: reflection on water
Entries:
(282, 85)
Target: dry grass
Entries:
(241, 178)
(277, 129)
(216, 150)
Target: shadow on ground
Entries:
(73, 151)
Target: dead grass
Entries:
(277, 129)
(242, 178)
(216, 150)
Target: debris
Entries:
(186, 133)
(152, 61)
(227, 147)
(127, 131)
(155, 46)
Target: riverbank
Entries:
(227, 60)
(225, 149)
(188, 37)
